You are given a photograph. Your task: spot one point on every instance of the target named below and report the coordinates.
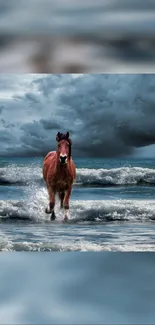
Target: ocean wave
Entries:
(85, 177)
(50, 247)
(81, 246)
(14, 175)
(116, 176)
(80, 211)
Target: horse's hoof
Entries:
(53, 216)
(47, 210)
(65, 218)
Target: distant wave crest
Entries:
(85, 177)
(14, 175)
(116, 176)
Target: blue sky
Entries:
(107, 115)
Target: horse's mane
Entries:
(62, 136)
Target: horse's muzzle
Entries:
(63, 159)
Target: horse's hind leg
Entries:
(53, 216)
(61, 197)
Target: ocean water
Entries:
(112, 207)
(77, 288)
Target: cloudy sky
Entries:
(107, 115)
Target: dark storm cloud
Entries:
(118, 113)
(49, 125)
(106, 115)
(6, 136)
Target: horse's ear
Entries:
(58, 136)
(67, 135)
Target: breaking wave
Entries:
(85, 177)
(48, 247)
(82, 246)
(116, 176)
(20, 175)
(33, 209)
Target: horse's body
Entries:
(59, 173)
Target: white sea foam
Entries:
(116, 176)
(80, 211)
(78, 246)
(99, 177)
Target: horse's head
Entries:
(64, 147)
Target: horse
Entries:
(59, 173)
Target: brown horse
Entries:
(59, 173)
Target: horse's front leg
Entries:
(66, 202)
(50, 208)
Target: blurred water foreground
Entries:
(77, 288)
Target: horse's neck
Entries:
(61, 168)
